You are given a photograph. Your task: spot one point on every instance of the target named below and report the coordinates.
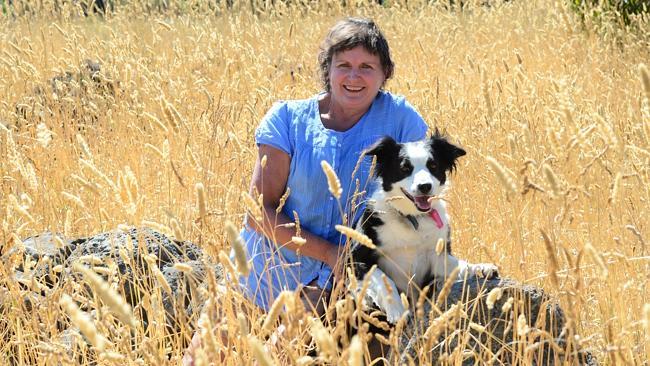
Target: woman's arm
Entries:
(271, 181)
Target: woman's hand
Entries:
(334, 260)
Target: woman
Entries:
(336, 126)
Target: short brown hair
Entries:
(348, 34)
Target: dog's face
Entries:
(412, 173)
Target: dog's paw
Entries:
(394, 311)
(383, 292)
(485, 270)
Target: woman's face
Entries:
(355, 78)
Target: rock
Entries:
(544, 320)
(83, 96)
(90, 76)
(135, 274)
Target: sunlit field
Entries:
(553, 111)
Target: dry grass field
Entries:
(553, 112)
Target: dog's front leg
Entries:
(483, 270)
(445, 264)
(386, 298)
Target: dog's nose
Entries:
(424, 188)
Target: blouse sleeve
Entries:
(413, 127)
(274, 129)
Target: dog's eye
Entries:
(406, 168)
(432, 165)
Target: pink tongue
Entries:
(423, 202)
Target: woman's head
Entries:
(350, 33)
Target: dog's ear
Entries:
(444, 151)
(387, 146)
(386, 149)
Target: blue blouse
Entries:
(295, 127)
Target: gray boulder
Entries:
(522, 323)
(135, 273)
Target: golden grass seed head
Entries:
(91, 259)
(170, 114)
(522, 325)
(493, 296)
(324, 340)
(152, 261)
(387, 286)
(477, 327)
(243, 324)
(227, 263)
(283, 200)
(446, 288)
(200, 200)
(84, 147)
(206, 329)
(615, 188)
(355, 352)
(156, 122)
(92, 187)
(333, 182)
(507, 305)
(552, 180)
(274, 311)
(597, 258)
(83, 322)
(109, 296)
(155, 150)
(157, 226)
(446, 320)
(259, 352)
(112, 357)
(160, 277)
(506, 179)
(552, 259)
(296, 220)
(238, 247)
(89, 165)
(645, 80)
(183, 267)
(356, 236)
(351, 277)
(166, 150)
(405, 300)
(20, 209)
(74, 199)
(298, 240)
(131, 185)
(176, 228)
(440, 246)
(252, 206)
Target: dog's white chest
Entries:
(407, 251)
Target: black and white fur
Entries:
(411, 178)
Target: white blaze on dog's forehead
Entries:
(417, 152)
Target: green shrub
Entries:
(621, 10)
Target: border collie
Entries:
(405, 218)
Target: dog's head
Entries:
(414, 172)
